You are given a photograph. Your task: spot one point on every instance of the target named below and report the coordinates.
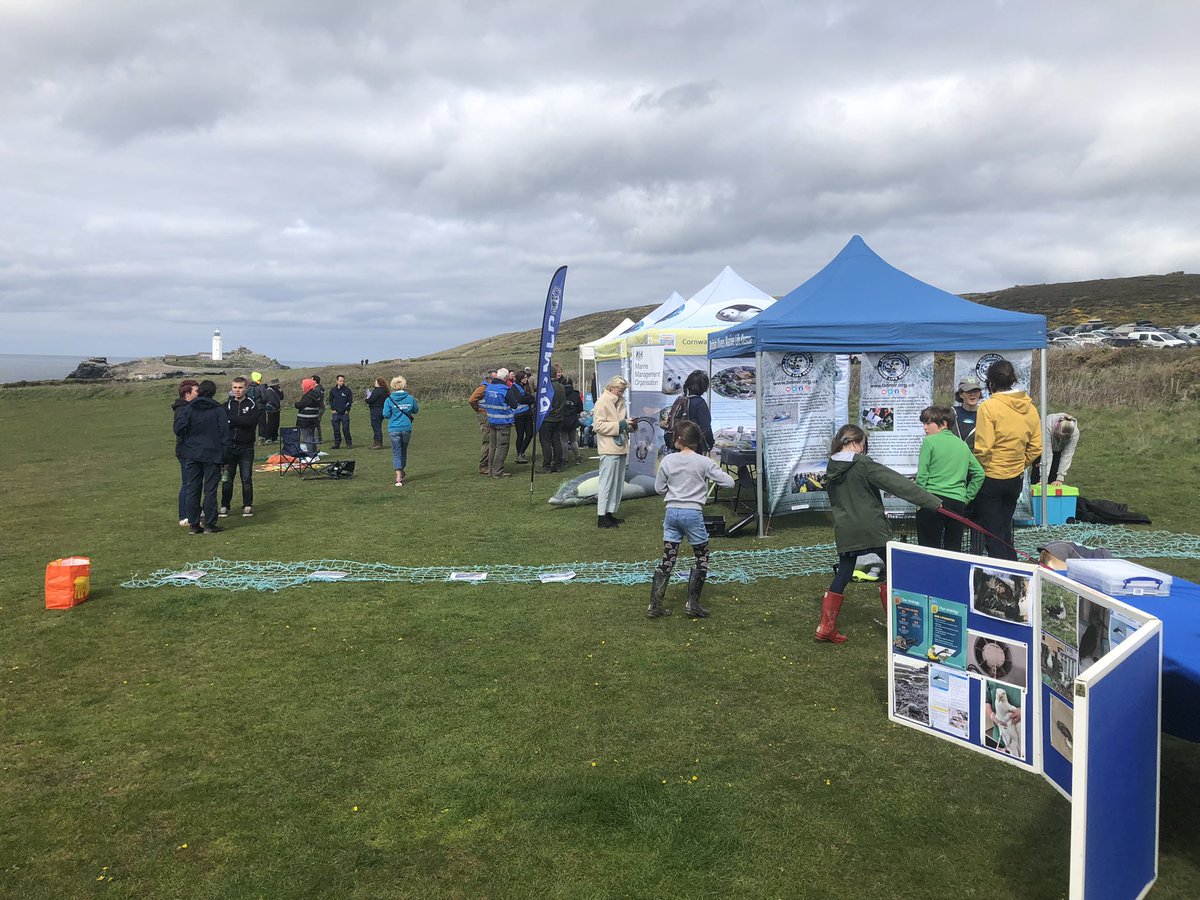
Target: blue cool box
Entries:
(1060, 503)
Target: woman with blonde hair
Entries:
(399, 409)
(611, 424)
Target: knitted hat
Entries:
(307, 385)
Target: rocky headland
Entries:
(151, 368)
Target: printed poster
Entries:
(732, 402)
(1003, 707)
(949, 703)
(798, 425)
(895, 388)
(930, 628)
(646, 369)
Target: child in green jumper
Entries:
(947, 469)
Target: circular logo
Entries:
(892, 366)
(985, 363)
(797, 365)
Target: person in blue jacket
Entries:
(203, 429)
(399, 409)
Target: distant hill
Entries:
(1169, 300)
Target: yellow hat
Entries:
(256, 376)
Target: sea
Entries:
(27, 367)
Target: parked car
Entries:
(1156, 338)
(1192, 331)
(1064, 340)
(1183, 336)
(1119, 340)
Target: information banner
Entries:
(646, 369)
(895, 388)
(975, 364)
(798, 424)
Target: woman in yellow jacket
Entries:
(1008, 438)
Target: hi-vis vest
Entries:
(495, 402)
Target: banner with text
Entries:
(895, 388)
(799, 419)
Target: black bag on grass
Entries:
(1107, 512)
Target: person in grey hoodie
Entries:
(683, 477)
(854, 482)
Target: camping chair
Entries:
(297, 455)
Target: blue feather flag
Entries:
(550, 322)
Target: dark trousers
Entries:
(524, 433)
(268, 425)
(183, 489)
(377, 423)
(845, 569)
(341, 429)
(936, 530)
(202, 477)
(552, 448)
(1035, 476)
(994, 507)
(241, 461)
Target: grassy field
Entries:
(365, 741)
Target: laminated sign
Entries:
(68, 582)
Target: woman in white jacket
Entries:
(611, 424)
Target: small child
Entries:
(948, 470)
(854, 481)
(684, 478)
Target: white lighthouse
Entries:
(217, 345)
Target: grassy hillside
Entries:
(1167, 300)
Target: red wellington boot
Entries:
(831, 605)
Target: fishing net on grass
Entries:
(725, 566)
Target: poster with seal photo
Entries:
(1003, 708)
(894, 388)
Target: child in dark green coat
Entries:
(854, 482)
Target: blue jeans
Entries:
(679, 523)
(400, 441)
(377, 423)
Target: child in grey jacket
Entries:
(684, 477)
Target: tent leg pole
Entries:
(758, 435)
(1046, 454)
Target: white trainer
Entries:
(247, 512)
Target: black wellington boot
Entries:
(658, 590)
(695, 588)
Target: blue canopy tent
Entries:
(858, 303)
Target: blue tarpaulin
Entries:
(860, 303)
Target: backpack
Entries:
(680, 412)
(572, 406)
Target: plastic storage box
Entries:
(1119, 577)
(1060, 503)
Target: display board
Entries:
(1028, 666)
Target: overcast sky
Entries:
(329, 181)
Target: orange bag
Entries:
(68, 582)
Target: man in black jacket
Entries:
(550, 433)
(244, 414)
(341, 398)
(203, 427)
(268, 427)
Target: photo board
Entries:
(1035, 669)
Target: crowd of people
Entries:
(972, 464)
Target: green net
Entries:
(726, 566)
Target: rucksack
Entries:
(571, 406)
(680, 412)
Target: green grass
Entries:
(497, 741)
